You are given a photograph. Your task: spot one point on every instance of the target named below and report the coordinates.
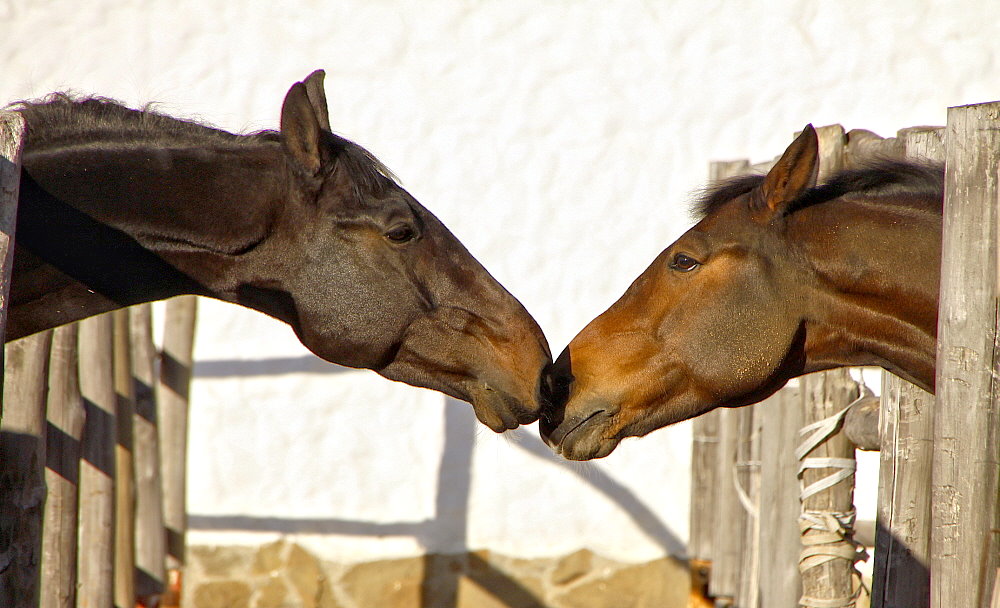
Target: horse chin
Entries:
(497, 410)
(582, 436)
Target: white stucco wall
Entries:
(560, 140)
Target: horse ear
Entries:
(317, 97)
(793, 174)
(300, 130)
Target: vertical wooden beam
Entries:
(965, 543)
(825, 394)
(11, 142)
(172, 396)
(62, 473)
(150, 540)
(124, 464)
(730, 516)
(22, 469)
(748, 476)
(95, 557)
(780, 543)
(902, 576)
(704, 453)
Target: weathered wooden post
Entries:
(779, 540)
(704, 452)
(902, 577)
(730, 516)
(11, 141)
(747, 478)
(827, 520)
(22, 469)
(65, 427)
(124, 465)
(22, 421)
(965, 542)
(95, 557)
(150, 535)
(172, 397)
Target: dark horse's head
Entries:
(378, 282)
(301, 224)
(779, 278)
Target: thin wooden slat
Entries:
(965, 514)
(150, 540)
(124, 464)
(65, 428)
(780, 543)
(172, 397)
(22, 469)
(730, 517)
(748, 475)
(11, 142)
(704, 450)
(95, 556)
(902, 576)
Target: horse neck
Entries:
(876, 264)
(104, 226)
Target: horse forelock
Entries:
(718, 193)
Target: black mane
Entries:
(64, 120)
(878, 177)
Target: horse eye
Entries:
(400, 234)
(684, 263)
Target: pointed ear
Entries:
(317, 97)
(300, 131)
(793, 174)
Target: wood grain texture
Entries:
(965, 514)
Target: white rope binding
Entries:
(830, 533)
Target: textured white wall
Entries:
(560, 141)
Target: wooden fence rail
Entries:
(937, 539)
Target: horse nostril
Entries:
(546, 386)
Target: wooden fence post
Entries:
(172, 398)
(779, 539)
(747, 475)
(22, 470)
(150, 539)
(965, 511)
(95, 557)
(704, 452)
(124, 464)
(826, 523)
(906, 425)
(65, 427)
(729, 515)
(11, 142)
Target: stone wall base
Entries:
(282, 574)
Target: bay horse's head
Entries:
(369, 278)
(767, 286)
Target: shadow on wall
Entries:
(442, 575)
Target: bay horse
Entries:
(779, 278)
(120, 206)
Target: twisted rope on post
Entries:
(827, 535)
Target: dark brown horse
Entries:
(779, 278)
(120, 206)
